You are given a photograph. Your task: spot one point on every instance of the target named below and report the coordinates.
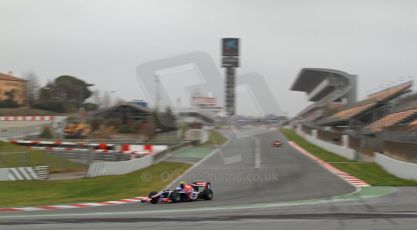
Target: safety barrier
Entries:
(122, 157)
(137, 149)
(27, 118)
(123, 167)
(119, 167)
(343, 151)
(403, 169)
(25, 126)
(24, 173)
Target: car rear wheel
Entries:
(207, 194)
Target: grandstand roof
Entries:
(391, 119)
(407, 128)
(351, 112)
(414, 122)
(309, 78)
(390, 92)
(367, 104)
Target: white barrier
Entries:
(337, 149)
(403, 169)
(23, 173)
(119, 167)
(123, 167)
(4, 174)
(22, 126)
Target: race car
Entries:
(201, 190)
(277, 144)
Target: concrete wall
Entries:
(124, 167)
(23, 173)
(22, 126)
(337, 149)
(398, 168)
(119, 167)
(4, 174)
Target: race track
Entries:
(246, 174)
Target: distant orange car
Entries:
(277, 144)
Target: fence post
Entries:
(314, 133)
(345, 141)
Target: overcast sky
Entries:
(103, 41)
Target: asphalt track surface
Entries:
(284, 175)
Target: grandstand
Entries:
(392, 119)
(328, 89)
(384, 122)
(370, 110)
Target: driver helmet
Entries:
(182, 184)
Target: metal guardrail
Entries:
(88, 156)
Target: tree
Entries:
(67, 91)
(32, 88)
(72, 89)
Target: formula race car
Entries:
(200, 190)
(277, 144)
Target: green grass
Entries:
(195, 152)
(105, 188)
(215, 139)
(317, 151)
(19, 156)
(372, 173)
